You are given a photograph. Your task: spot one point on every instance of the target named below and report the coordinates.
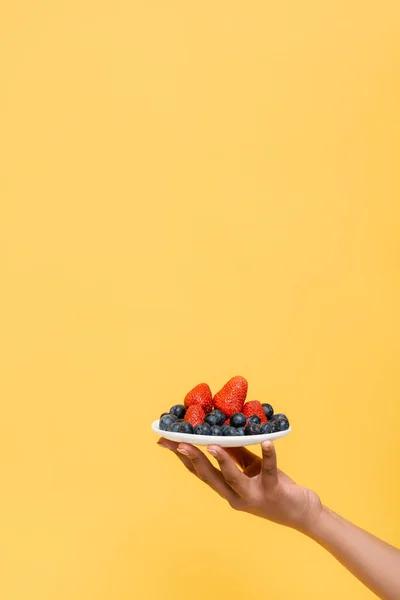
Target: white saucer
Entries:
(236, 441)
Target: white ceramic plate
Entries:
(217, 440)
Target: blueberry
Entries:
(240, 431)
(163, 415)
(203, 429)
(167, 420)
(281, 424)
(221, 416)
(280, 416)
(178, 410)
(252, 429)
(215, 417)
(211, 419)
(254, 419)
(266, 428)
(238, 420)
(185, 427)
(268, 410)
(224, 426)
(216, 430)
(228, 430)
(174, 427)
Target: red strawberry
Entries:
(228, 421)
(254, 407)
(232, 396)
(195, 415)
(201, 394)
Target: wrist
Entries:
(312, 517)
(319, 524)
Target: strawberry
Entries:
(232, 396)
(254, 407)
(195, 415)
(201, 394)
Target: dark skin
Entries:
(249, 483)
(256, 485)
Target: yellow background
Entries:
(189, 191)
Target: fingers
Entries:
(242, 456)
(207, 472)
(173, 446)
(232, 475)
(167, 444)
(269, 472)
(230, 482)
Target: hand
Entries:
(261, 489)
(258, 487)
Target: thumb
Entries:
(269, 471)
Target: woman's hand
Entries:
(257, 487)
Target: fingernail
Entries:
(183, 451)
(212, 451)
(266, 445)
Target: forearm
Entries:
(375, 563)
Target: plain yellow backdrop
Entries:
(189, 191)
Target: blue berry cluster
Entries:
(215, 423)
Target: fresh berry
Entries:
(163, 415)
(215, 417)
(174, 427)
(229, 430)
(203, 429)
(178, 410)
(185, 427)
(231, 397)
(224, 427)
(254, 408)
(228, 421)
(238, 420)
(194, 415)
(166, 421)
(273, 426)
(266, 428)
(268, 410)
(240, 431)
(280, 416)
(254, 419)
(216, 430)
(252, 429)
(281, 424)
(211, 419)
(201, 394)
